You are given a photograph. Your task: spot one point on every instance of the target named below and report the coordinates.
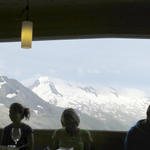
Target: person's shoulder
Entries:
(26, 127)
(135, 128)
(139, 124)
(8, 127)
(132, 129)
(60, 131)
(84, 131)
(86, 135)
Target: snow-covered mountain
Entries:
(43, 114)
(13, 91)
(105, 108)
(124, 106)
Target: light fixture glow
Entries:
(26, 34)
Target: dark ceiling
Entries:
(69, 19)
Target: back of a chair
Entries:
(43, 138)
(108, 140)
(102, 140)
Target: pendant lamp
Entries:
(26, 30)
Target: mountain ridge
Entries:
(125, 106)
(43, 114)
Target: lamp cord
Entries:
(26, 10)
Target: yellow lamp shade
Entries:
(26, 34)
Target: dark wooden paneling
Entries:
(103, 140)
(69, 19)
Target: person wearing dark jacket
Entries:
(138, 137)
(18, 133)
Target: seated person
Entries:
(18, 133)
(138, 137)
(70, 136)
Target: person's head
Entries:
(148, 114)
(17, 112)
(69, 119)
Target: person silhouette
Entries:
(17, 133)
(137, 138)
(70, 136)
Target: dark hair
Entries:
(70, 114)
(148, 111)
(20, 109)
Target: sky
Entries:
(97, 62)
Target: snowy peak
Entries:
(89, 89)
(126, 105)
(53, 89)
(2, 81)
(48, 92)
(7, 88)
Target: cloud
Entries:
(2, 68)
(94, 71)
(6, 71)
(97, 71)
(17, 73)
(80, 71)
(52, 71)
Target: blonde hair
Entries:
(70, 114)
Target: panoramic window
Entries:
(105, 80)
